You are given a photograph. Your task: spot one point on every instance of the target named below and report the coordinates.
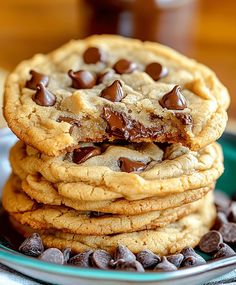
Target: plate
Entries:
(67, 275)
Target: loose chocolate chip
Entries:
(113, 92)
(222, 201)
(122, 252)
(80, 155)
(189, 252)
(104, 76)
(128, 165)
(43, 97)
(66, 253)
(156, 70)
(95, 214)
(192, 261)
(124, 66)
(82, 79)
(210, 241)
(165, 265)
(32, 246)
(176, 259)
(174, 100)
(228, 232)
(52, 255)
(133, 265)
(101, 259)
(185, 119)
(81, 259)
(94, 55)
(148, 259)
(36, 79)
(232, 212)
(224, 251)
(220, 220)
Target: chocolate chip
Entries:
(66, 253)
(224, 251)
(124, 66)
(188, 253)
(43, 97)
(104, 76)
(122, 252)
(81, 259)
(220, 220)
(185, 119)
(148, 259)
(174, 100)
(52, 255)
(165, 265)
(128, 165)
(80, 155)
(134, 266)
(228, 232)
(36, 79)
(72, 121)
(114, 92)
(123, 127)
(176, 259)
(222, 201)
(94, 55)
(156, 70)
(95, 214)
(232, 212)
(192, 261)
(82, 79)
(101, 259)
(210, 241)
(32, 246)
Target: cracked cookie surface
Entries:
(107, 88)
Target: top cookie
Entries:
(109, 87)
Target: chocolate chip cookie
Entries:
(108, 88)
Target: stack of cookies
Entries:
(117, 146)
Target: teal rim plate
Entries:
(74, 275)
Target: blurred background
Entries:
(203, 29)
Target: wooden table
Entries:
(27, 27)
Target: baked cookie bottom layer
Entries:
(167, 240)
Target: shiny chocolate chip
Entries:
(32, 246)
(114, 92)
(43, 97)
(94, 55)
(174, 100)
(52, 255)
(224, 251)
(148, 259)
(156, 71)
(222, 201)
(122, 252)
(210, 241)
(124, 66)
(104, 76)
(80, 155)
(82, 79)
(36, 79)
(133, 266)
(176, 259)
(193, 261)
(165, 265)
(228, 232)
(81, 259)
(128, 165)
(101, 259)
